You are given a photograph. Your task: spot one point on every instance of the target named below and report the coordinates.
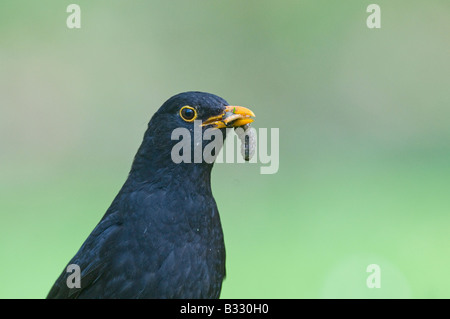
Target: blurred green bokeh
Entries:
(364, 119)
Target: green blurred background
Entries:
(364, 119)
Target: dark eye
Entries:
(188, 113)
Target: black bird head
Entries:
(193, 113)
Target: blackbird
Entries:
(162, 236)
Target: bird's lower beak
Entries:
(233, 116)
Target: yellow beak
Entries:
(233, 116)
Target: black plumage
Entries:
(162, 236)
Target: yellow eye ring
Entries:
(188, 113)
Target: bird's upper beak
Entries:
(232, 116)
